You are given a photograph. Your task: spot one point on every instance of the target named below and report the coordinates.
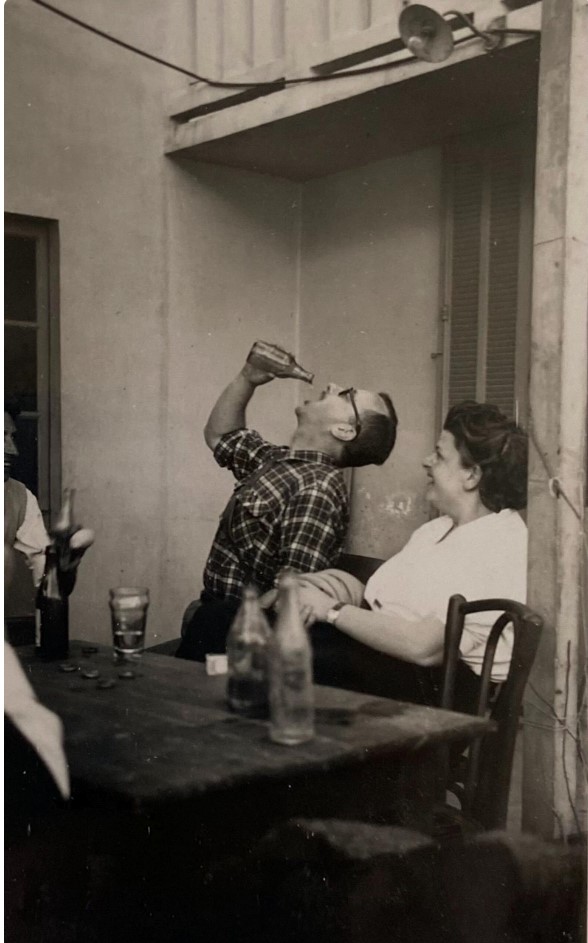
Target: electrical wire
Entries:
(275, 84)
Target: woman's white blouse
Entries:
(482, 559)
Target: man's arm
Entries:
(228, 413)
(32, 538)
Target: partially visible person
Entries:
(477, 480)
(36, 777)
(24, 529)
(290, 505)
(42, 859)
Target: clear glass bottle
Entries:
(52, 611)
(277, 361)
(247, 650)
(290, 671)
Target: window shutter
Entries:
(483, 273)
(503, 281)
(465, 275)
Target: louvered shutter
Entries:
(465, 275)
(503, 270)
(483, 290)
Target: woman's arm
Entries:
(419, 641)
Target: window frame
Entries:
(45, 234)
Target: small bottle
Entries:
(64, 528)
(290, 671)
(247, 646)
(52, 611)
(277, 361)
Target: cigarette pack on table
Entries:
(216, 665)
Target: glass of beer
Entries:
(128, 608)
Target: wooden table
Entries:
(169, 785)
(166, 742)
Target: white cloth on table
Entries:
(483, 559)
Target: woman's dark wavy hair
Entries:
(484, 436)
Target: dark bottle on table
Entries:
(52, 611)
(247, 642)
(277, 361)
(290, 671)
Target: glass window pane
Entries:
(20, 283)
(24, 468)
(20, 365)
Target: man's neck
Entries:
(304, 440)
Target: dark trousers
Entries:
(206, 633)
(339, 661)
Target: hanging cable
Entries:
(271, 86)
(274, 85)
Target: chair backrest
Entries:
(490, 759)
(359, 566)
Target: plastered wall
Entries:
(370, 303)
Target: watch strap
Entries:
(333, 613)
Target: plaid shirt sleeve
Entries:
(313, 530)
(242, 451)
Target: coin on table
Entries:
(105, 683)
(67, 667)
(90, 673)
(126, 674)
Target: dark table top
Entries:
(167, 734)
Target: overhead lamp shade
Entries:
(425, 33)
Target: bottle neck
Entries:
(64, 525)
(289, 624)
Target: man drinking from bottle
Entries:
(290, 505)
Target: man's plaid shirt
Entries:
(289, 509)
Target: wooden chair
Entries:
(483, 794)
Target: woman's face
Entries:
(449, 482)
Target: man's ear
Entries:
(343, 431)
(473, 478)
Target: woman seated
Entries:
(477, 547)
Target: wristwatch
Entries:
(333, 613)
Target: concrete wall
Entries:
(370, 303)
(168, 271)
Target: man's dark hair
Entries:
(12, 406)
(484, 436)
(375, 441)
